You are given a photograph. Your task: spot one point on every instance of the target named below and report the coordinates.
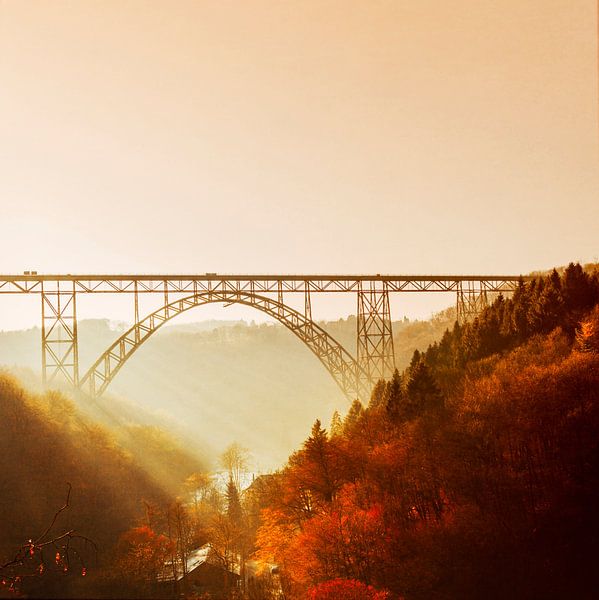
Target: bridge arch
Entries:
(342, 366)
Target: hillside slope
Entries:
(47, 447)
(474, 474)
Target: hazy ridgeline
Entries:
(217, 382)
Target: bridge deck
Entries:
(150, 283)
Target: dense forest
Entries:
(472, 473)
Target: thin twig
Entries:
(64, 507)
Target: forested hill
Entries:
(52, 457)
(472, 474)
(216, 383)
(548, 302)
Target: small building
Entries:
(200, 576)
(262, 580)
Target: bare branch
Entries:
(25, 557)
(63, 507)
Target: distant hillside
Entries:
(217, 382)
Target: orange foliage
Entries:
(143, 553)
(345, 589)
(492, 495)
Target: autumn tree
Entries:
(317, 463)
(142, 558)
(480, 481)
(235, 460)
(587, 334)
(336, 424)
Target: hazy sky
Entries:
(390, 137)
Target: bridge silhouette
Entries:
(375, 358)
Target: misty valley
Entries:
(224, 462)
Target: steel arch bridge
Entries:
(355, 376)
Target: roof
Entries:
(195, 559)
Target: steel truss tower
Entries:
(60, 350)
(471, 300)
(375, 353)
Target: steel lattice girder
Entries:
(258, 284)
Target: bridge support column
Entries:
(60, 354)
(308, 323)
(280, 297)
(307, 302)
(375, 351)
(136, 311)
(471, 301)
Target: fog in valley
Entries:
(216, 382)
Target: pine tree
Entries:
(577, 288)
(521, 306)
(422, 392)
(353, 416)
(490, 335)
(470, 341)
(336, 424)
(319, 459)
(416, 357)
(378, 394)
(394, 395)
(548, 310)
(234, 510)
(505, 325)
(236, 528)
